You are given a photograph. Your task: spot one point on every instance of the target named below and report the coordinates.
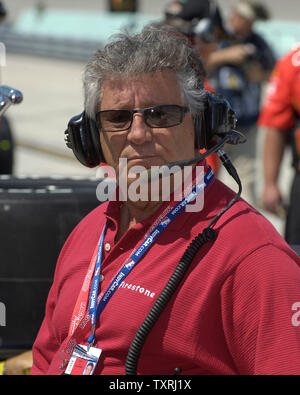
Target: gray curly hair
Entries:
(156, 48)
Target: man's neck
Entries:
(133, 212)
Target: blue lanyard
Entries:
(96, 280)
(95, 310)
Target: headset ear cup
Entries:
(82, 136)
(94, 131)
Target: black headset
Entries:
(215, 121)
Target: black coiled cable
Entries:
(208, 234)
(133, 355)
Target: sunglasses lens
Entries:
(163, 116)
(156, 117)
(114, 120)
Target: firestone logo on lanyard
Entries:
(96, 309)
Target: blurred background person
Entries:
(280, 116)
(240, 65)
(201, 22)
(238, 62)
(238, 70)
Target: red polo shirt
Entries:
(232, 313)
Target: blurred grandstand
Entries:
(75, 34)
(67, 34)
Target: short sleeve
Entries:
(259, 312)
(277, 110)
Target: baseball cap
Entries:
(251, 10)
(188, 9)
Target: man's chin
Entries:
(146, 162)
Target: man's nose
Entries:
(139, 131)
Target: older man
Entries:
(233, 309)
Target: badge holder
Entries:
(83, 361)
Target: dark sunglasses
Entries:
(163, 116)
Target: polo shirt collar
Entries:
(112, 211)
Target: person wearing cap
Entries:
(187, 10)
(238, 70)
(185, 15)
(245, 42)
